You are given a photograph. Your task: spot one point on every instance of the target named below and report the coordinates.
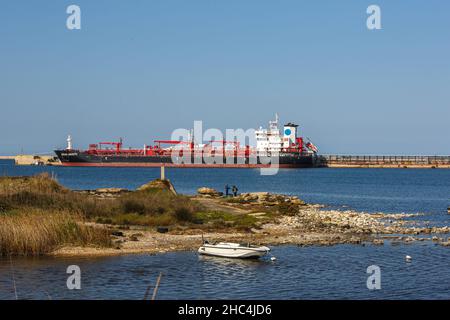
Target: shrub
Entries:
(183, 214)
(133, 206)
(43, 193)
(287, 208)
(43, 183)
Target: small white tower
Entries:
(69, 142)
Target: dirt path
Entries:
(216, 205)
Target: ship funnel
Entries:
(289, 135)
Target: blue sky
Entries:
(139, 69)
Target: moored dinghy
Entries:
(232, 250)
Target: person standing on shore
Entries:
(227, 190)
(234, 190)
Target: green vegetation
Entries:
(286, 208)
(276, 207)
(38, 215)
(222, 220)
(145, 207)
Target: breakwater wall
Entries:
(373, 161)
(35, 160)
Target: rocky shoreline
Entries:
(280, 219)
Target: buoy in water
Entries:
(408, 258)
(273, 258)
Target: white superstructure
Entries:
(271, 140)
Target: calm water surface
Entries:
(337, 272)
(299, 273)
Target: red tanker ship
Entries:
(272, 149)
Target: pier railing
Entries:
(395, 160)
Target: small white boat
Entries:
(232, 250)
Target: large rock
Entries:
(445, 244)
(205, 191)
(267, 198)
(254, 197)
(158, 184)
(297, 201)
(111, 190)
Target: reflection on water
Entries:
(228, 262)
(337, 272)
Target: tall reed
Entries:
(36, 232)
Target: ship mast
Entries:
(69, 142)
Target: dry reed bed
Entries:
(37, 232)
(38, 215)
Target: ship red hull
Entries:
(75, 158)
(171, 165)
